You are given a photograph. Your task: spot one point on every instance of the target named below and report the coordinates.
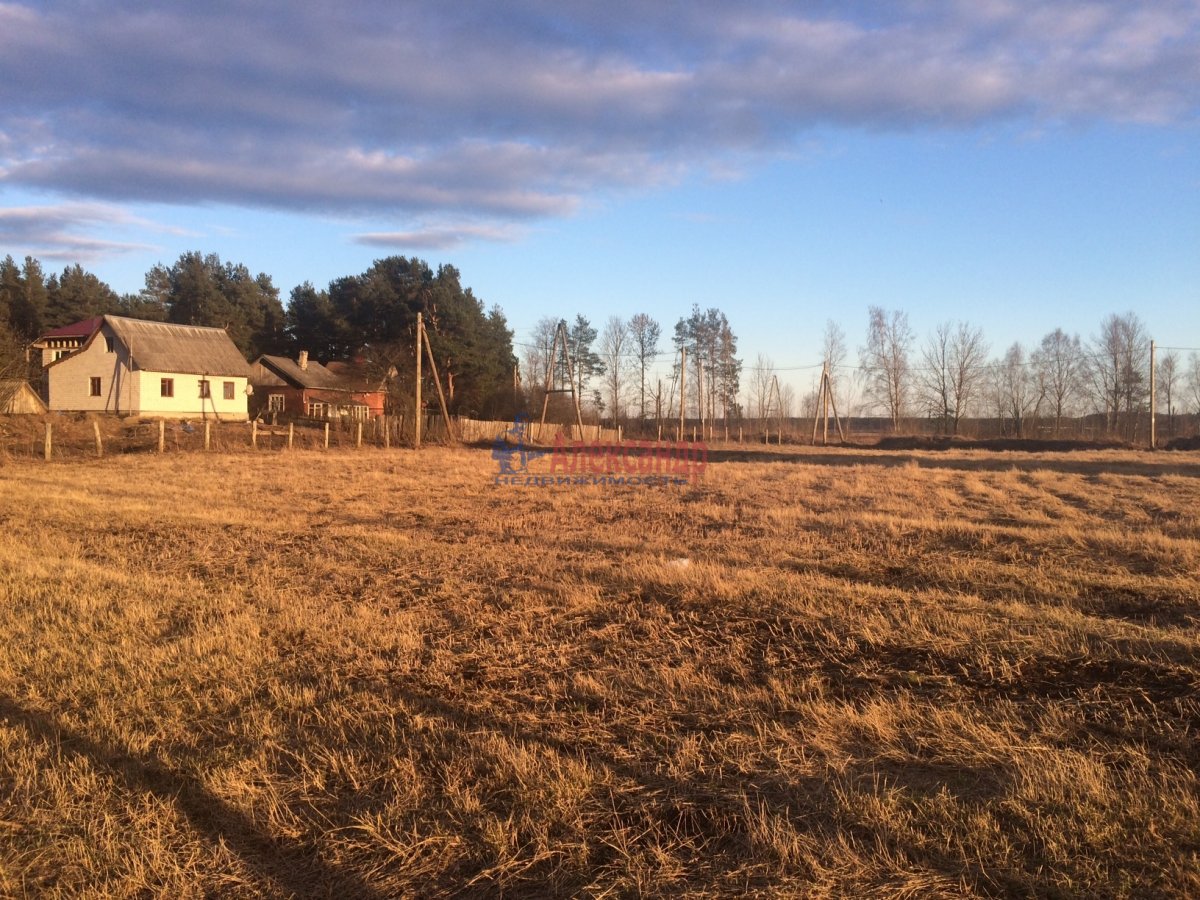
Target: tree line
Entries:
(948, 378)
(951, 375)
(612, 371)
(370, 317)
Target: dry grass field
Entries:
(817, 673)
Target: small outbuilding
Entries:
(19, 398)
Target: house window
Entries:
(59, 354)
(229, 390)
(205, 389)
(110, 343)
(317, 410)
(167, 387)
(275, 403)
(96, 386)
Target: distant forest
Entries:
(371, 316)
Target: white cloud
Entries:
(61, 231)
(524, 110)
(442, 237)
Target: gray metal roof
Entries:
(190, 349)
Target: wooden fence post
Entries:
(207, 434)
(49, 441)
(254, 434)
(387, 433)
(358, 437)
(99, 442)
(162, 435)
(326, 435)
(291, 433)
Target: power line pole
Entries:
(682, 388)
(1153, 399)
(418, 417)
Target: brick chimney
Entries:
(303, 361)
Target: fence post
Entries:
(49, 441)
(291, 433)
(162, 435)
(254, 434)
(358, 437)
(99, 442)
(326, 435)
(207, 434)
(387, 433)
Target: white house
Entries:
(135, 367)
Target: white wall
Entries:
(69, 380)
(187, 402)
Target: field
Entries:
(377, 674)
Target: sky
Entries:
(1019, 165)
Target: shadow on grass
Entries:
(1047, 461)
(286, 868)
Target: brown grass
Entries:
(380, 674)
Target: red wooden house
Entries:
(304, 388)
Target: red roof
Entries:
(77, 329)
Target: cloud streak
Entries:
(502, 113)
(54, 232)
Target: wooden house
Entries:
(136, 367)
(304, 388)
(18, 397)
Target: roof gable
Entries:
(81, 330)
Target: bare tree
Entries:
(968, 356)
(933, 379)
(885, 362)
(644, 332)
(1020, 389)
(1169, 374)
(12, 354)
(1059, 363)
(614, 353)
(1117, 371)
(833, 356)
(1193, 382)
(787, 401)
(537, 353)
(760, 385)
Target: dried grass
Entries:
(380, 674)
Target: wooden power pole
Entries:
(682, 389)
(825, 401)
(418, 418)
(1153, 400)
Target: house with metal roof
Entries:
(65, 340)
(304, 388)
(142, 368)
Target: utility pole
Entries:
(1153, 399)
(682, 388)
(418, 417)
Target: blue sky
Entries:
(1020, 165)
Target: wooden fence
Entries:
(75, 437)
